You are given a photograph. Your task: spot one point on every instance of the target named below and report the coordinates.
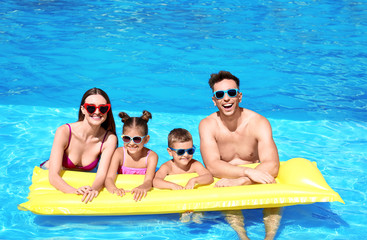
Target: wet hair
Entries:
(178, 135)
(217, 77)
(141, 122)
(109, 124)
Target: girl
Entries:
(83, 144)
(133, 157)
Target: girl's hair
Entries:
(178, 135)
(109, 124)
(130, 122)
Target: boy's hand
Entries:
(190, 184)
(177, 187)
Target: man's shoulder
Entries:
(253, 116)
(209, 120)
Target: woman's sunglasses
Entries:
(220, 94)
(91, 108)
(136, 139)
(181, 152)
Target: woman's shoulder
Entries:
(109, 137)
(63, 129)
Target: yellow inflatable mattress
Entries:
(299, 182)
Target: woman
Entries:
(83, 144)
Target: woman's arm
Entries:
(61, 140)
(112, 171)
(108, 150)
(104, 162)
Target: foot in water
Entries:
(197, 217)
(185, 217)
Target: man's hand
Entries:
(259, 176)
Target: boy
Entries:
(181, 148)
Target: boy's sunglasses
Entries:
(91, 108)
(136, 139)
(220, 94)
(181, 152)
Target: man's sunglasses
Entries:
(181, 152)
(136, 139)
(220, 94)
(91, 108)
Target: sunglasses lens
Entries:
(126, 139)
(137, 140)
(91, 109)
(191, 151)
(103, 109)
(219, 94)
(180, 152)
(232, 92)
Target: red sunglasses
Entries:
(91, 108)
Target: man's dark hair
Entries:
(217, 77)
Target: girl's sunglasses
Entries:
(220, 94)
(136, 139)
(181, 152)
(91, 108)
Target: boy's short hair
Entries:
(217, 77)
(178, 135)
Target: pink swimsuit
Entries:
(129, 170)
(67, 163)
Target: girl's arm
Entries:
(112, 172)
(61, 140)
(159, 182)
(204, 177)
(141, 191)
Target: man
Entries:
(235, 136)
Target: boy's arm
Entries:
(204, 177)
(159, 181)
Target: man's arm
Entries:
(268, 152)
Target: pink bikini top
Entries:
(67, 163)
(129, 170)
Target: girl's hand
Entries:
(119, 192)
(139, 193)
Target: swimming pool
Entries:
(301, 64)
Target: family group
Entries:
(231, 137)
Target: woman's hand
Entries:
(88, 193)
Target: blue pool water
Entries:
(302, 64)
